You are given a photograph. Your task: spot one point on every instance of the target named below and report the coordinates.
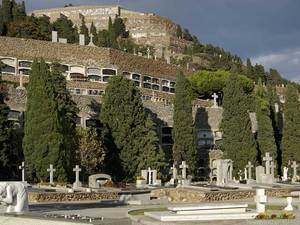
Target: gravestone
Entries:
(77, 182)
(268, 160)
(22, 167)
(150, 176)
(174, 174)
(81, 39)
(289, 206)
(272, 168)
(249, 166)
(148, 53)
(260, 200)
(63, 40)
(245, 174)
(224, 169)
(91, 44)
(215, 96)
(294, 166)
(183, 168)
(285, 174)
(51, 170)
(259, 172)
(96, 180)
(54, 36)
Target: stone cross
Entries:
(148, 53)
(183, 166)
(77, 170)
(91, 41)
(215, 96)
(249, 166)
(22, 167)
(272, 167)
(294, 166)
(51, 170)
(174, 172)
(268, 159)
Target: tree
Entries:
(119, 28)
(128, 137)
(238, 140)
(183, 129)
(93, 31)
(265, 133)
(7, 11)
(85, 31)
(178, 31)
(6, 152)
(66, 29)
(44, 132)
(151, 155)
(291, 129)
(91, 151)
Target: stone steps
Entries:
(172, 217)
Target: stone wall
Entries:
(74, 54)
(192, 196)
(71, 197)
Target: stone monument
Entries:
(285, 174)
(77, 182)
(224, 169)
(215, 96)
(261, 200)
(289, 206)
(15, 196)
(22, 167)
(294, 167)
(51, 170)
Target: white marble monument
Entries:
(77, 182)
(14, 195)
(260, 200)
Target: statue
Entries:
(15, 196)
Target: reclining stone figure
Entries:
(15, 196)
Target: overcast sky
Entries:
(267, 31)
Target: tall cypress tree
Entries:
(150, 155)
(6, 11)
(123, 115)
(129, 136)
(44, 139)
(85, 31)
(183, 129)
(291, 128)
(238, 140)
(265, 133)
(6, 159)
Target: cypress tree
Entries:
(6, 11)
(238, 140)
(66, 29)
(291, 128)
(183, 129)
(265, 133)
(85, 31)
(151, 155)
(44, 142)
(6, 159)
(93, 31)
(124, 118)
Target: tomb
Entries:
(97, 180)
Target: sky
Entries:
(267, 31)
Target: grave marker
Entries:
(77, 182)
(249, 166)
(22, 167)
(215, 96)
(51, 170)
(183, 166)
(294, 166)
(268, 160)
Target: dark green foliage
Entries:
(93, 31)
(205, 83)
(183, 129)
(65, 28)
(151, 155)
(265, 135)
(85, 31)
(178, 31)
(119, 28)
(7, 15)
(125, 121)
(46, 123)
(291, 129)
(238, 140)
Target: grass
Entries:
(140, 212)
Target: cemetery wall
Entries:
(74, 54)
(193, 196)
(71, 197)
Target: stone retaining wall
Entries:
(188, 195)
(71, 197)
